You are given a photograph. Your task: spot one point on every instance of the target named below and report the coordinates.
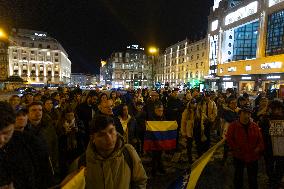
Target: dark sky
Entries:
(91, 30)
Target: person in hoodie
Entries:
(245, 140)
(106, 159)
(274, 164)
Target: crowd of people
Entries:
(44, 136)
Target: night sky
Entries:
(90, 30)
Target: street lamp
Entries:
(153, 51)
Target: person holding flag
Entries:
(160, 135)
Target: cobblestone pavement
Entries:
(216, 174)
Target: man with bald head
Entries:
(105, 108)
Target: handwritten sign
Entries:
(276, 132)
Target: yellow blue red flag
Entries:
(160, 135)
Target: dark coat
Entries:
(25, 162)
(85, 113)
(47, 132)
(174, 109)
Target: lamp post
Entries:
(153, 51)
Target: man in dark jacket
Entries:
(105, 108)
(24, 161)
(86, 111)
(174, 110)
(41, 126)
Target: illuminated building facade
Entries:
(246, 44)
(184, 64)
(129, 68)
(37, 58)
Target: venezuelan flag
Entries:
(160, 135)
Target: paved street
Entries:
(214, 176)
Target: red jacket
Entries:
(246, 145)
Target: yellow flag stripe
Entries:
(161, 125)
(77, 181)
(199, 165)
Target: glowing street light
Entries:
(153, 50)
(2, 34)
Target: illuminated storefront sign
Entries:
(214, 25)
(213, 52)
(274, 77)
(216, 4)
(271, 65)
(274, 2)
(232, 69)
(241, 13)
(246, 78)
(226, 78)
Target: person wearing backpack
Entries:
(110, 162)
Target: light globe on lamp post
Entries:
(3, 35)
(154, 52)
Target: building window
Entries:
(32, 52)
(56, 54)
(275, 34)
(191, 57)
(197, 47)
(245, 41)
(40, 45)
(32, 44)
(23, 43)
(197, 56)
(48, 46)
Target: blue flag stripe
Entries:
(160, 135)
